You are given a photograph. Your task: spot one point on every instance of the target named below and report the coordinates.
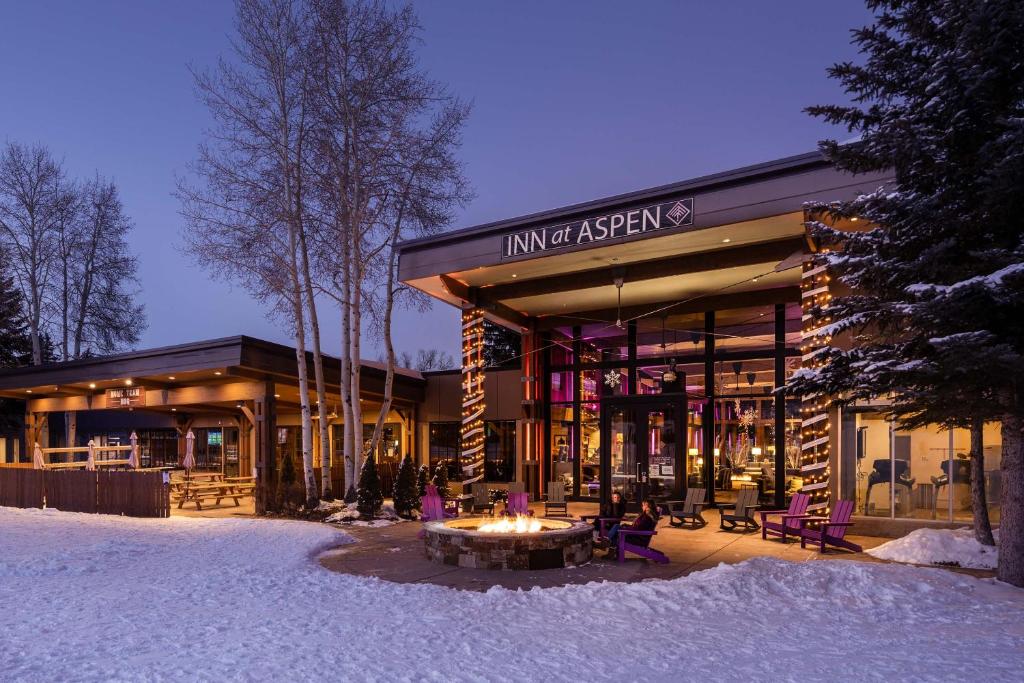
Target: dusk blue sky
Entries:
(572, 101)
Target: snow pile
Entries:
(953, 547)
(90, 597)
(349, 514)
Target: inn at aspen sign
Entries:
(665, 216)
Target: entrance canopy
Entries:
(715, 242)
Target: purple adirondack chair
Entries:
(432, 510)
(832, 530)
(639, 543)
(789, 520)
(518, 504)
(451, 505)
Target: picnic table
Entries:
(214, 490)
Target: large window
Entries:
(445, 442)
(727, 364)
(500, 450)
(921, 473)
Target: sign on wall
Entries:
(126, 397)
(664, 216)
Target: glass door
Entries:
(642, 449)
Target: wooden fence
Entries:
(134, 494)
(21, 487)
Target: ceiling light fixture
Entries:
(128, 382)
(217, 372)
(92, 385)
(726, 240)
(171, 378)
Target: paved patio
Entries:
(394, 553)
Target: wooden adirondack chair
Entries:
(432, 510)
(789, 520)
(518, 504)
(639, 543)
(832, 530)
(450, 504)
(556, 499)
(742, 511)
(482, 499)
(688, 510)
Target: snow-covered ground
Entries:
(955, 547)
(88, 597)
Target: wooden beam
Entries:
(715, 302)
(701, 262)
(477, 297)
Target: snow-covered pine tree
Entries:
(441, 479)
(422, 479)
(936, 311)
(369, 497)
(404, 493)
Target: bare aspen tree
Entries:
(30, 180)
(252, 204)
(429, 186)
(374, 109)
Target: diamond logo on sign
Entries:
(678, 213)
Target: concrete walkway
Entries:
(394, 553)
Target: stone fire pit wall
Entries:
(456, 542)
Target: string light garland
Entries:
(814, 425)
(472, 433)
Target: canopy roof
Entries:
(739, 242)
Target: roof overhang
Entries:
(737, 232)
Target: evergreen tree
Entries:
(422, 479)
(501, 346)
(369, 497)
(286, 482)
(15, 346)
(936, 311)
(404, 494)
(441, 479)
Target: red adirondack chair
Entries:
(518, 504)
(789, 520)
(832, 530)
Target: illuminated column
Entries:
(814, 436)
(473, 394)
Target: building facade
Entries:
(658, 330)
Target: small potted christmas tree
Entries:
(441, 479)
(369, 497)
(404, 493)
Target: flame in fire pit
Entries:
(520, 525)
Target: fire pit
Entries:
(509, 543)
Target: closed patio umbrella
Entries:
(133, 459)
(90, 464)
(190, 458)
(37, 458)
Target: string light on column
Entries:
(814, 425)
(472, 432)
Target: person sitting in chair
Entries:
(647, 520)
(613, 510)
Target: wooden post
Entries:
(265, 437)
(708, 419)
(780, 406)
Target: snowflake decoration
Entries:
(612, 378)
(747, 418)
